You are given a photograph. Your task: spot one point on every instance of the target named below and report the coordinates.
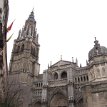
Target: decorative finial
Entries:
(19, 34)
(50, 63)
(61, 57)
(72, 59)
(33, 9)
(77, 61)
(95, 38)
(96, 43)
(86, 62)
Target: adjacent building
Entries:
(63, 84)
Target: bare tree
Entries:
(12, 95)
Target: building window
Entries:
(18, 49)
(87, 78)
(55, 76)
(22, 48)
(33, 51)
(78, 79)
(84, 78)
(81, 79)
(63, 75)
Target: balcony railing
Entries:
(59, 82)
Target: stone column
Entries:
(70, 88)
(44, 90)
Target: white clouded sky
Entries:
(65, 27)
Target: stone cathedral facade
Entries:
(63, 84)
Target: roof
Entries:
(61, 63)
(97, 50)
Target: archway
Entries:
(64, 75)
(37, 104)
(58, 100)
(55, 76)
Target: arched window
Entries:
(22, 48)
(87, 78)
(18, 49)
(33, 51)
(37, 84)
(64, 75)
(81, 79)
(78, 79)
(55, 76)
(84, 78)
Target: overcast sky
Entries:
(65, 27)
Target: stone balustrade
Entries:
(59, 82)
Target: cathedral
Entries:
(63, 84)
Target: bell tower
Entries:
(25, 53)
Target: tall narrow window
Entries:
(55, 76)
(18, 49)
(64, 75)
(33, 68)
(22, 48)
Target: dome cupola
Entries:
(97, 50)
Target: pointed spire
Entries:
(31, 16)
(72, 59)
(77, 61)
(61, 57)
(48, 65)
(86, 62)
(19, 35)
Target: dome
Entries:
(97, 50)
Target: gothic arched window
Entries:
(87, 78)
(55, 76)
(84, 78)
(81, 79)
(64, 75)
(18, 49)
(22, 48)
(78, 79)
(33, 51)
